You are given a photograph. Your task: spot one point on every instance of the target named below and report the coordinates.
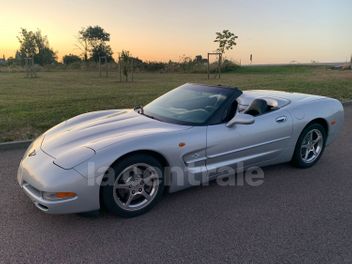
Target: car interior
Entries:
(197, 107)
(260, 106)
(257, 107)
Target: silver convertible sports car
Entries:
(123, 160)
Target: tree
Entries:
(125, 59)
(34, 44)
(92, 40)
(186, 63)
(28, 47)
(70, 58)
(83, 44)
(226, 40)
(102, 50)
(45, 56)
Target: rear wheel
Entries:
(310, 146)
(133, 185)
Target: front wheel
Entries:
(310, 146)
(133, 185)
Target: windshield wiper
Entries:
(152, 117)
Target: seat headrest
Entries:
(258, 107)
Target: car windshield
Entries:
(189, 104)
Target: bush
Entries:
(70, 58)
(229, 66)
(74, 66)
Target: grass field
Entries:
(30, 106)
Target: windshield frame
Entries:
(215, 118)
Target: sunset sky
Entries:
(274, 31)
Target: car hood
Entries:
(97, 130)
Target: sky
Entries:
(274, 31)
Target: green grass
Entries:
(30, 106)
(278, 69)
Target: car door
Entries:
(250, 145)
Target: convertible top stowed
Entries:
(123, 159)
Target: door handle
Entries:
(281, 119)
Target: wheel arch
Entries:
(164, 162)
(320, 121)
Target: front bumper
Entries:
(38, 174)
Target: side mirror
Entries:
(242, 119)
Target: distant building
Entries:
(199, 60)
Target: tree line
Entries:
(93, 43)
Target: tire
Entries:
(133, 185)
(305, 143)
